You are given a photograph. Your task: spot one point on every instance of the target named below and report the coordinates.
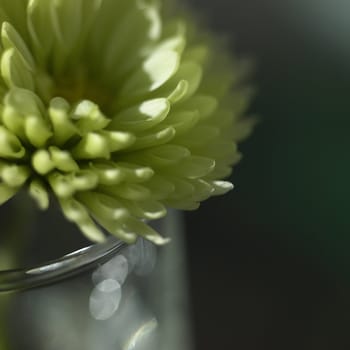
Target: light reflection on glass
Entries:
(143, 336)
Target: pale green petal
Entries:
(91, 146)
(160, 187)
(156, 70)
(179, 92)
(146, 209)
(182, 121)
(194, 167)
(133, 225)
(109, 213)
(144, 25)
(14, 71)
(183, 189)
(182, 204)
(222, 187)
(202, 190)
(162, 155)
(66, 22)
(40, 28)
(25, 102)
(141, 117)
(11, 39)
(131, 191)
(189, 71)
(15, 11)
(134, 172)
(153, 139)
(200, 138)
(205, 105)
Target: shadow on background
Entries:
(280, 276)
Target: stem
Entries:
(4, 304)
(11, 251)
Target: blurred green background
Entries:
(280, 278)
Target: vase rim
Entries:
(64, 267)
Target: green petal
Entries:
(38, 192)
(10, 145)
(61, 185)
(88, 117)
(143, 230)
(42, 162)
(104, 207)
(83, 180)
(15, 175)
(160, 187)
(148, 209)
(109, 213)
(118, 140)
(37, 131)
(77, 213)
(131, 191)
(107, 173)
(156, 138)
(63, 160)
(6, 192)
(63, 127)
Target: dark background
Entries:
(269, 263)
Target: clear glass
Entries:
(108, 296)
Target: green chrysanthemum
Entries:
(115, 110)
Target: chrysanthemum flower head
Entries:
(114, 110)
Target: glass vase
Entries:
(108, 296)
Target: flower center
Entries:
(81, 85)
